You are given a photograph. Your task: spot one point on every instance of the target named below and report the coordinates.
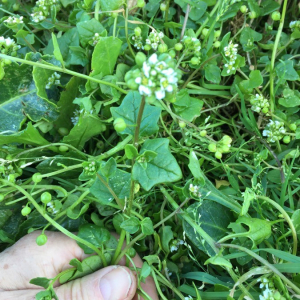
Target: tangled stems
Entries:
(55, 224)
(276, 43)
(63, 70)
(287, 218)
(265, 262)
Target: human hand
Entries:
(26, 260)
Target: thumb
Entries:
(111, 283)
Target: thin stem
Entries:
(188, 9)
(272, 65)
(138, 122)
(63, 70)
(97, 8)
(119, 247)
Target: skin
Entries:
(26, 260)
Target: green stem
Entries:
(62, 170)
(55, 224)
(115, 26)
(63, 70)
(119, 247)
(97, 8)
(286, 217)
(272, 65)
(126, 31)
(266, 263)
(167, 16)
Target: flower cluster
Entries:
(294, 25)
(154, 39)
(137, 41)
(96, 39)
(230, 53)
(274, 131)
(188, 298)
(194, 190)
(192, 45)
(259, 104)
(90, 168)
(269, 292)
(6, 170)
(8, 46)
(14, 20)
(220, 147)
(52, 208)
(76, 113)
(42, 9)
(176, 244)
(53, 79)
(157, 78)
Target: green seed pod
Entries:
(178, 47)
(265, 110)
(218, 155)
(147, 47)
(7, 61)
(293, 127)
(162, 48)
(172, 53)
(37, 177)
(140, 58)
(63, 131)
(243, 9)
(26, 211)
(205, 31)
(182, 124)
(252, 15)
(46, 197)
(63, 148)
(195, 60)
(119, 124)
(275, 16)
(217, 33)
(16, 6)
(203, 133)
(286, 139)
(1, 197)
(212, 147)
(132, 252)
(137, 31)
(217, 44)
(41, 240)
(114, 15)
(140, 3)
(163, 6)
(132, 84)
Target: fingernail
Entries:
(116, 284)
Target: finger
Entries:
(26, 260)
(111, 283)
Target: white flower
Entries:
(173, 248)
(144, 90)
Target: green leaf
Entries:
(88, 126)
(87, 30)
(56, 50)
(93, 234)
(145, 271)
(213, 218)
(109, 5)
(166, 235)
(128, 110)
(24, 37)
(212, 73)
(296, 220)
(30, 136)
(249, 196)
(41, 281)
(219, 261)
(285, 70)
(255, 80)
(18, 99)
(259, 230)
(194, 166)
(130, 151)
(147, 226)
(131, 225)
(291, 98)
(248, 38)
(76, 263)
(109, 168)
(186, 106)
(163, 168)
(43, 295)
(65, 3)
(119, 183)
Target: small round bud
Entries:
(172, 53)
(275, 16)
(63, 148)
(293, 127)
(114, 15)
(203, 133)
(178, 46)
(195, 60)
(137, 31)
(182, 124)
(147, 47)
(212, 147)
(286, 139)
(16, 7)
(26, 211)
(63, 131)
(136, 188)
(140, 3)
(132, 252)
(11, 178)
(46, 197)
(163, 6)
(132, 84)
(205, 31)
(252, 15)
(41, 240)
(225, 148)
(37, 177)
(7, 61)
(30, 230)
(162, 48)
(100, 145)
(243, 9)
(119, 124)
(218, 155)
(217, 44)
(217, 33)
(265, 110)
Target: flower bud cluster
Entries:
(89, 168)
(223, 146)
(194, 190)
(42, 9)
(176, 244)
(12, 20)
(269, 292)
(230, 53)
(96, 39)
(157, 78)
(53, 80)
(192, 45)
(137, 41)
(6, 170)
(274, 131)
(76, 113)
(51, 208)
(294, 25)
(259, 104)
(8, 46)
(154, 39)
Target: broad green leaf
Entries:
(78, 56)
(163, 168)
(166, 235)
(24, 37)
(186, 106)
(131, 225)
(259, 230)
(65, 104)
(147, 226)
(255, 80)
(285, 70)
(130, 151)
(77, 211)
(128, 110)
(76, 263)
(88, 126)
(212, 73)
(93, 234)
(213, 218)
(87, 30)
(119, 183)
(249, 196)
(56, 50)
(194, 166)
(109, 168)
(65, 3)
(248, 38)
(198, 8)
(291, 98)
(41, 281)
(109, 5)
(18, 99)
(219, 261)
(145, 271)
(30, 136)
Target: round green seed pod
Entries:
(212, 147)
(275, 16)
(26, 211)
(46, 197)
(119, 124)
(286, 139)
(41, 240)
(37, 177)
(218, 155)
